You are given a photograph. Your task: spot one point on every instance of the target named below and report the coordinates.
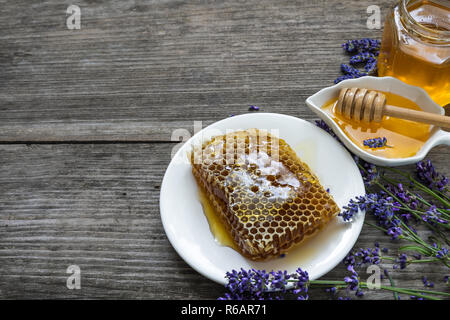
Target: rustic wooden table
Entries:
(87, 117)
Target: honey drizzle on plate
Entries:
(217, 227)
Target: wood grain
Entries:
(87, 118)
(169, 61)
(97, 206)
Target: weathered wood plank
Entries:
(136, 71)
(97, 206)
(95, 131)
(167, 60)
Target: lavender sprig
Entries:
(441, 196)
(259, 284)
(376, 142)
(363, 51)
(427, 174)
(393, 207)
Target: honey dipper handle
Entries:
(419, 116)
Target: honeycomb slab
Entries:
(267, 198)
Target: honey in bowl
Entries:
(404, 137)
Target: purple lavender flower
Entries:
(353, 281)
(402, 261)
(371, 66)
(301, 286)
(361, 51)
(433, 216)
(332, 290)
(246, 285)
(279, 280)
(350, 46)
(403, 195)
(351, 209)
(394, 232)
(375, 142)
(427, 174)
(362, 57)
(363, 45)
(370, 173)
(381, 207)
(442, 253)
(346, 69)
(427, 283)
(369, 255)
(349, 259)
(384, 208)
(363, 256)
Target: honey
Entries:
(416, 46)
(404, 138)
(255, 188)
(216, 226)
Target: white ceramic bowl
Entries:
(387, 84)
(187, 227)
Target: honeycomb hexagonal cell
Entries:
(266, 197)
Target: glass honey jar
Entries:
(416, 46)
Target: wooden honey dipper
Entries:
(369, 105)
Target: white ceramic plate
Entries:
(187, 227)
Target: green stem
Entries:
(420, 185)
(423, 201)
(418, 215)
(375, 226)
(415, 292)
(416, 238)
(443, 212)
(414, 261)
(409, 292)
(325, 282)
(411, 233)
(419, 198)
(446, 197)
(396, 296)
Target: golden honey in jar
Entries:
(416, 46)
